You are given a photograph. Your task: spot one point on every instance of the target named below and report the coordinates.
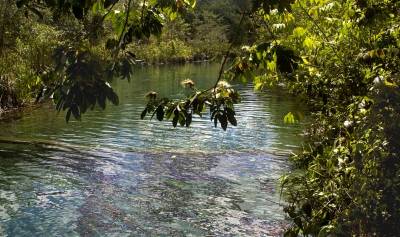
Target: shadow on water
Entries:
(127, 177)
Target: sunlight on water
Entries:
(116, 175)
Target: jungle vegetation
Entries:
(341, 56)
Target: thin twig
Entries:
(221, 70)
(142, 17)
(115, 53)
(109, 10)
(126, 23)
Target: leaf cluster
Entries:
(84, 84)
(219, 100)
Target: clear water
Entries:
(113, 174)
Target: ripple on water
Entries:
(158, 193)
(116, 175)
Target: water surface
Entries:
(116, 175)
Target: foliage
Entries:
(85, 44)
(171, 46)
(82, 45)
(198, 35)
(25, 55)
(89, 43)
(174, 51)
(342, 57)
(210, 35)
(220, 100)
(229, 13)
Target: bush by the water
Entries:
(343, 58)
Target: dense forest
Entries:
(339, 56)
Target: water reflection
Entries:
(128, 177)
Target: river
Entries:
(116, 175)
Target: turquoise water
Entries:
(112, 174)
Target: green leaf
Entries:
(223, 121)
(216, 120)
(289, 118)
(175, 120)
(188, 120)
(113, 97)
(230, 113)
(309, 43)
(67, 117)
(101, 100)
(143, 114)
(258, 86)
(182, 119)
(232, 120)
(160, 113)
(75, 112)
(191, 3)
(299, 32)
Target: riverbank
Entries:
(179, 61)
(10, 114)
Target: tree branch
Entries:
(128, 10)
(221, 70)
